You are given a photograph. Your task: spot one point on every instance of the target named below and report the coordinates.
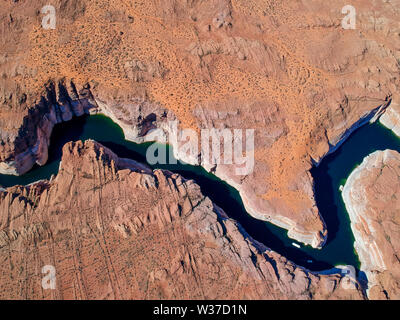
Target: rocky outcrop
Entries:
(287, 70)
(28, 143)
(391, 118)
(372, 198)
(114, 229)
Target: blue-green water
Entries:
(332, 172)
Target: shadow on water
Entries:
(325, 200)
(225, 197)
(333, 172)
(328, 176)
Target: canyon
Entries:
(287, 70)
(113, 229)
(302, 95)
(371, 195)
(391, 119)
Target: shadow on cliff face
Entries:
(323, 186)
(363, 280)
(63, 133)
(271, 236)
(228, 199)
(109, 134)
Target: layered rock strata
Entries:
(288, 70)
(113, 229)
(391, 118)
(21, 149)
(372, 198)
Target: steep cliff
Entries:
(284, 68)
(391, 118)
(372, 198)
(114, 229)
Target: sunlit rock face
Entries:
(288, 70)
(114, 229)
(391, 118)
(372, 198)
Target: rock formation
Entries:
(113, 229)
(372, 198)
(286, 69)
(31, 142)
(391, 118)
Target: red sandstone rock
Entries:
(114, 230)
(286, 69)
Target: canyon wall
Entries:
(114, 229)
(391, 118)
(28, 143)
(288, 70)
(372, 198)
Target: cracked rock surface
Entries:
(114, 229)
(372, 198)
(284, 68)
